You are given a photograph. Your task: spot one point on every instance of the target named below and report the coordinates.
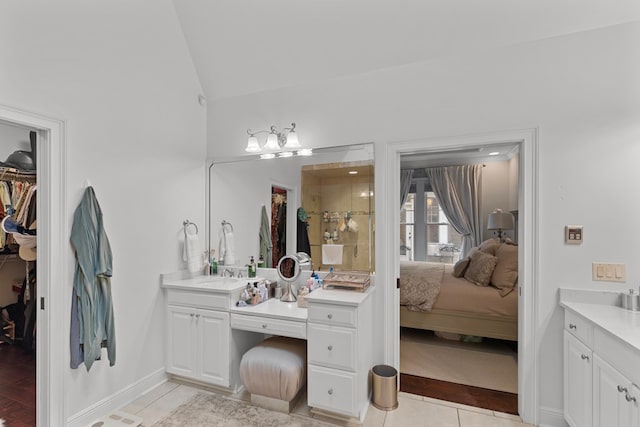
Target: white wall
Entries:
(13, 138)
(120, 74)
(581, 91)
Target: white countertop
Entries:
(339, 296)
(622, 323)
(206, 284)
(274, 308)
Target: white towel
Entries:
(226, 251)
(192, 254)
(332, 254)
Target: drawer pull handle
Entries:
(572, 326)
(264, 326)
(197, 315)
(192, 314)
(330, 391)
(622, 389)
(330, 316)
(629, 398)
(330, 348)
(585, 357)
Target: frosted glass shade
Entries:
(292, 141)
(272, 142)
(253, 146)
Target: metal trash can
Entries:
(385, 387)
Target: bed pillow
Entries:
(490, 246)
(480, 268)
(460, 267)
(505, 275)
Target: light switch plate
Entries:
(604, 272)
(573, 234)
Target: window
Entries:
(436, 241)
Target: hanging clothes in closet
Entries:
(278, 224)
(18, 206)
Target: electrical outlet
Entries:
(604, 272)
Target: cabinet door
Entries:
(577, 382)
(181, 343)
(612, 396)
(213, 346)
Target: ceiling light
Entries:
(494, 153)
(353, 172)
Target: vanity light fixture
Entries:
(286, 139)
(285, 154)
(305, 152)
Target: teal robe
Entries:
(92, 309)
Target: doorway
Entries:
(458, 340)
(527, 227)
(51, 266)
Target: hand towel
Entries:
(332, 254)
(192, 254)
(227, 256)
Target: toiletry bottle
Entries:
(261, 263)
(214, 267)
(251, 268)
(335, 234)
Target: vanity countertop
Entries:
(622, 323)
(205, 284)
(274, 308)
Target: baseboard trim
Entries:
(551, 417)
(117, 400)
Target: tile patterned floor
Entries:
(413, 410)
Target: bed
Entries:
(459, 306)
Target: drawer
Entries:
(333, 314)
(268, 325)
(199, 299)
(332, 390)
(331, 346)
(579, 327)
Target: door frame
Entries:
(527, 257)
(52, 262)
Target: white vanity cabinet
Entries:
(198, 342)
(601, 373)
(198, 332)
(339, 351)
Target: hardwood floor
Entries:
(17, 386)
(459, 393)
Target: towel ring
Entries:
(187, 223)
(224, 223)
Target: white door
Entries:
(213, 346)
(181, 343)
(577, 382)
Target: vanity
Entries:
(601, 360)
(207, 334)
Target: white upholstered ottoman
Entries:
(274, 371)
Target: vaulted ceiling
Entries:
(244, 46)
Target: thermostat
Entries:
(573, 234)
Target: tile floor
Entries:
(412, 411)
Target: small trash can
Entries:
(385, 387)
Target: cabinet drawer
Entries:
(579, 327)
(332, 346)
(333, 314)
(267, 325)
(332, 390)
(201, 299)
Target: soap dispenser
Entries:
(251, 268)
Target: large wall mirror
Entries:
(328, 195)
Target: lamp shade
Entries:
(292, 141)
(253, 146)
(272, 142)
(499, 220)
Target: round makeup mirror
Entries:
(289, 270)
